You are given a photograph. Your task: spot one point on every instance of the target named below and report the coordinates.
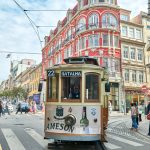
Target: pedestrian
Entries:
(1, 108)
(7, 108)
(137, 113)
(133, 117)
(148, 111)
(19, 108)
(140, 112)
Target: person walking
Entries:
(133, 116)
(7, 108)
(140, 112)
(1, 108)
(148, 111)
(19, 108)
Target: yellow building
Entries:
(35, 76)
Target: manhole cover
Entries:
(19, 124)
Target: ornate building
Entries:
(91, 28)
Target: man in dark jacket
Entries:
(148, 111)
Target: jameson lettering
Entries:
(60, 126)
(71, 73)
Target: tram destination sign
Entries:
(50, 73)
(71, 73)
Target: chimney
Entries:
(148, 7)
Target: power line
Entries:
(38, 26)
(15, 52)
(47, 10)
(31, 22)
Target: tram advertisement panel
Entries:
(73, 119)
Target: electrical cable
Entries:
(15, 52)
(31, 22)
(47, 10)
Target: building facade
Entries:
(133, 60)
(35, 76)
(91, 28)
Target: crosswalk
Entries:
(116, 142)
(14, 141)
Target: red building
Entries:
(91, 28)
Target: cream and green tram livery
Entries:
(76, 106)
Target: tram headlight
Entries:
(70, 120)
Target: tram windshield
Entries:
(70, 88)
(92, 87)
(53, 88)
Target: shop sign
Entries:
(50, 73)
(71, 73)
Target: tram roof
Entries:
(81, 60)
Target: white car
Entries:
(10, 108)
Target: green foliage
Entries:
(16, 92)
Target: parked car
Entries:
(24, 107)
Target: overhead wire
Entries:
(31, 22)
(15, 52)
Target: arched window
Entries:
(93, 21)
(81, 25)
(109, 21)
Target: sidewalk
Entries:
(115, 116)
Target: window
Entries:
(133, 76)
(82, 43)
(81, 25)
(93, 40)
(125, 52)
(132, 53)
(140, 54)
(111, 40)
(93, 21)
(117, 65)
(105, 40)
(124, 31)
(116, 41)
(92, 87)
(109, 21)
(71, 88)
(124, 17)
(138, 34)
(105, 62)
(110, 1)
(126, 75)
(92, 1)
(140, 77)
(53, 88)
(101, 0)
(131, 33)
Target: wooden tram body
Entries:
(76, 106)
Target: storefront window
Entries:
(92, 87)
(53, 88)
(71, 85)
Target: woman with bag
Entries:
(148, 116)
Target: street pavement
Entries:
(125, 119)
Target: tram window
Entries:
(70, 88)
(53, 88)
(92, 87)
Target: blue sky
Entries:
(16, 33)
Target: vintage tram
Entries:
(77, 104)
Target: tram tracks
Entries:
(96, 145)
